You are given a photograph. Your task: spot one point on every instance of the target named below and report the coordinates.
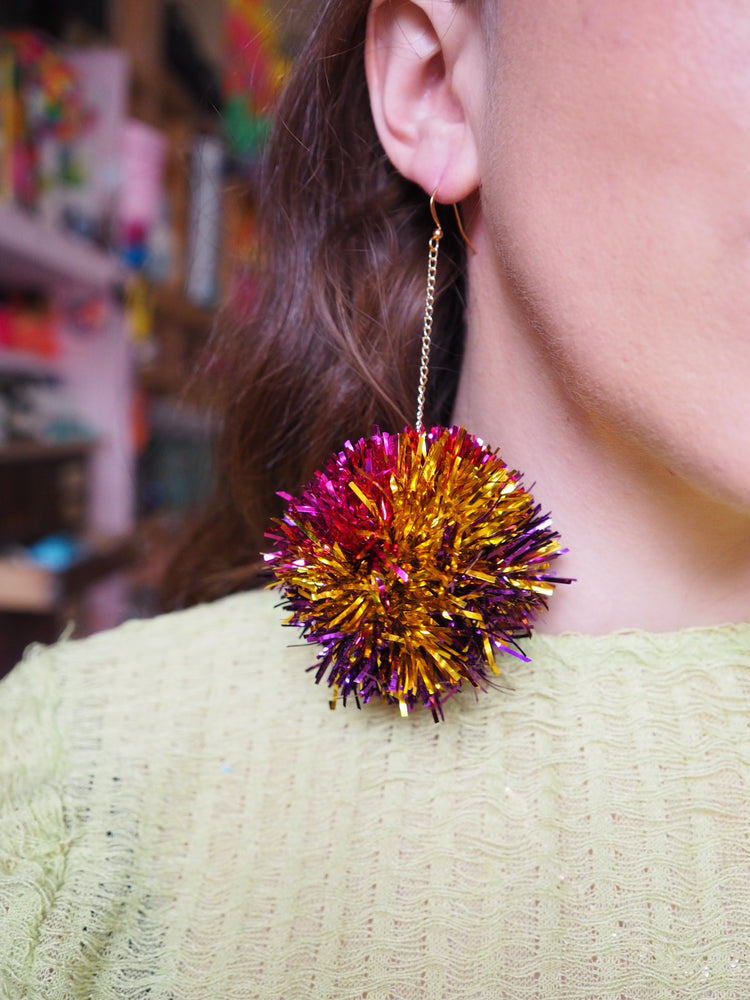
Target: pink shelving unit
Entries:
(97, 365)
(36, 255)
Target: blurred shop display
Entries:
(43, 112)
(130, 135)
(255, 66)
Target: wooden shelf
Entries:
(161, 381)
(26, 587)
(23, 362)
(171, 307)
(34, 451)
(33, 255)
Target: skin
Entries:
(602, 150)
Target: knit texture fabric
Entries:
(182, 816)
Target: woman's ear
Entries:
(417, 54)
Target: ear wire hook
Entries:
(461, 229)
(432, 258)
(434, 212)
(467, 241)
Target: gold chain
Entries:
(424, 366)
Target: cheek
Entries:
(617, 188)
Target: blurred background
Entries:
(131, 132)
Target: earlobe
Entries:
(420, 108)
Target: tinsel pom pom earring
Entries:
(413, 559)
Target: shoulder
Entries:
(196, 639)
(108, 748)
(136, 659)
(132, 701)
(138, 685)
(140, 695)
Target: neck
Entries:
(646, 548)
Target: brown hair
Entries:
(331, 346)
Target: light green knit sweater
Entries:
(181, 816)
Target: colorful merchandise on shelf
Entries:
(254, 71)
(43, 111)
(144, 151)
(38, 407)
(139, 309)
(91, 207)
(205, 229)
(31, 326)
